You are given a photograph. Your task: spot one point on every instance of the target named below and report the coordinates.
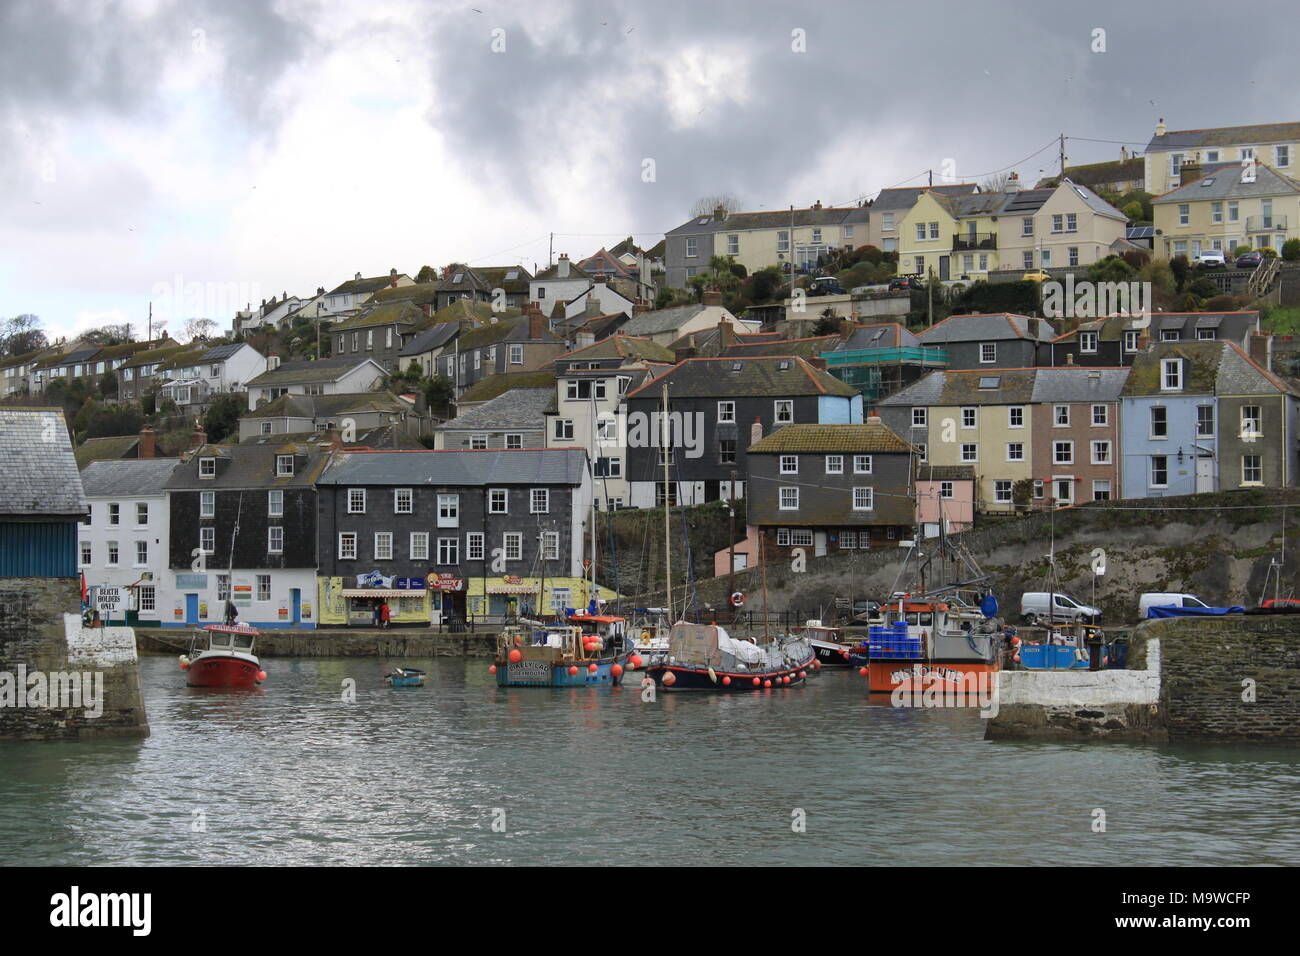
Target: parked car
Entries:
(1034, 607)
(1166, 599)
(1250, 260)
(825, 285)
(1035, 277)
(1211, 257)
(905, 282)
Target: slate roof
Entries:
(1113, 171)
(313, 406)
(251, 466)
(132, 477)
(867, 437)
(962, 387)
(552, 273)
(1078, 384)
(904, 198)
(1227, 184)
(371, 284)
(1240, 375)
(297, 373)
(1201, 368)
(725, 377)
(883, 335)
(623, 347)
(777, 219)
(1225, 136)
(68, 358)
(152, 356)
(496, 278)
(434, 337)
(38, 473)
(662, 320)
(523, 408)
(529, 466)
(106, 449)
(183, 358)
(418, 294)
(986, 328)
(494, 385)
(387, 313)
(805, 348)
(924, 391)
(1112, 327)
(927, 472)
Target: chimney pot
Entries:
(148, 443)
(756, 431)
(358, 275)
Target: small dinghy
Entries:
(405, 677)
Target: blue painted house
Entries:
(41, 498)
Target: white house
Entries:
(225, 368)
(333, 376)
(562, 282)
(123, 542)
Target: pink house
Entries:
(944, 493)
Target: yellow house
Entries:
(1274, 144)
(1228, 206)
(981, 419)
(1072, 226)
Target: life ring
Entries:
(645, 635)
(738, 599)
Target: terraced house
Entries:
(824, 487)
(144, 370)
(354, 415)
(1075, 444)
(1225, 206)
(793, 238)
(243, 528)
(87, 363)
(332, 376)
(717, 408)
(987, 341)
(347, 298)
(379, 333)
(1201, 417)
(1117, 339)
(1273, 144)
(500, 346)
(446, 535)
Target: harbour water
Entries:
(293, 774)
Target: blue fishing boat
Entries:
(1066, 648)
(405, 677)
(586, 650)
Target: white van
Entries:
(1166, 599)
(1034, 604)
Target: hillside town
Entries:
(927, 361)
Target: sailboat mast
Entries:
(668, 548)
(762, 560)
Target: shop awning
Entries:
(511, 589)
(382, 592)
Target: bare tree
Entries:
(705, 205)
(199, 330)
(21, 334)
(996, 183)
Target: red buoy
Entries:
(755, 681)
(261, 675)
(803, 674)
(617, 670)
(785, 679)
(492, 669)
(726, 681)
(862, 671)
(516, 656)
(670, 678)
(635, 660)
(592, 668)
(1016, 657)
(573, 670)
(767, 683)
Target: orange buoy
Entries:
(803, 674)
(635, 660)
(726, 681)
(617, 670)
(862, 671)
(767, 683)
(591, 667)
(492, 669)
(516, 656)
(261, 675)
(1016, 657)
(785, 679)
(1015, 642)
(755, 681)
(573, 669)
(670, 678)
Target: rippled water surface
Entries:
(290, 774)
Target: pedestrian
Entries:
(374, 614)
(384, 614)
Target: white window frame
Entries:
(474, 546)
(274, 541)
(347, 546)
(1102, 459)
(783, 411)
(403, 496)
(726, 413)
(788, 465)
(512, 546)
(418, 545)
(862, 464)
(539, 501)
(788, 498)
(494, 500)
(275, 503)
(834, 464)
(356, 501)
(1014, 411)
(864, 498)
(383, 545)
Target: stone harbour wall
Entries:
(47, 659)
(340, 643)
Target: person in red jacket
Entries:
(384, 614)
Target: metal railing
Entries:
(975, 240)
(1265, 223)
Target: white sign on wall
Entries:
(110, 600)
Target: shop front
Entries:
(357, 601)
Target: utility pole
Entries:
(929, 296)
(1062, 157)
(550, 251)
(149, 337)
(931, 177)
(668, 547)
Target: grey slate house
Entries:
(41, 498)
(1114, 340)
(821, 487)
(995, 340)
(514, 419)
(479, 529)
(717, 408)
(243, 528)
(378, 333)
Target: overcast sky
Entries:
(154, 150)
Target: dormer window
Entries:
(284, 466)
(1171, 375)
(207, 468)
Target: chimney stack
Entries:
(1261, 349)
(712, 297)
(756, 432)
(148, 447)
(873, 418)
(640, 307)
(1069, 358)
(200, 437)
(720, 213)
(392, 278)
(562, 267)
(358, 276)
(1189, 172)
(1013, 184)
(536, 322)
(1160, 126)
(726, 334)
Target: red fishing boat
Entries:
(933, 643)
(221, 655)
